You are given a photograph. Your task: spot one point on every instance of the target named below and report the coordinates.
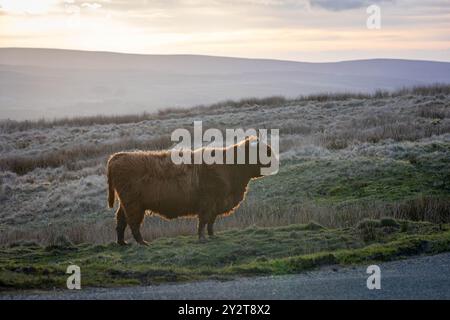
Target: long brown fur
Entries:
(149, 181)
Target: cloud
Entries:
(294, 29)
(33, 7)
(334, 5)
(92, 6)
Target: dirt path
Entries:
(425, 277)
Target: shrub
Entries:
(368, 229)
(368, 224)
(389, 222)
(313, 226)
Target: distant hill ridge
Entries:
(50, 83)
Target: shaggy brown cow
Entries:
(150, 181)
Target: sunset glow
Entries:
(306, 30)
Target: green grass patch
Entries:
(250, 251)
(342, 181)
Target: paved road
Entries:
(417, 278)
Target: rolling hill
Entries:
(49, 83)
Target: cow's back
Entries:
(153, 181)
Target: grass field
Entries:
(246, 252)
(371, 171)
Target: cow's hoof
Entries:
(144, 243)
(202, 240)
(122, 243)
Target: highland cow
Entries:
(150, 181)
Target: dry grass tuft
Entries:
(8, 126)
(433, 209)
(70, 157)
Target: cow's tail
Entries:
(111, 193)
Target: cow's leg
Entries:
(201, 228)
(135, 216)
(211, 221)
(121, 224)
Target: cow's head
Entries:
(261, 159)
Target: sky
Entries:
(301, 30)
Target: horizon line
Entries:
(219, 56)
